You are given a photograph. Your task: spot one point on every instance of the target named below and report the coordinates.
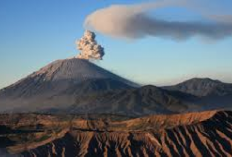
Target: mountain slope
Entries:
(135, 102)
(58, 76)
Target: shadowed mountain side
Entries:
(94, 86)
(63, 99)
(134, 102)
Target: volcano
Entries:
(79, 86)
(58, 84)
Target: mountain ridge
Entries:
(201, 87)
(192, 134)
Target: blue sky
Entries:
(34, 33)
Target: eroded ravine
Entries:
(193, 134)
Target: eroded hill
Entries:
(191, 134)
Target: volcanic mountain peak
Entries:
(61, 75)
(74, 68)
(59, 83)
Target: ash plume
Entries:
(89, 48)
(133, 21)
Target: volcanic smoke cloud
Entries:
(89, 47)
(132, 21)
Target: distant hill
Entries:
(134, 101)
(202, 87)
(210, 94)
